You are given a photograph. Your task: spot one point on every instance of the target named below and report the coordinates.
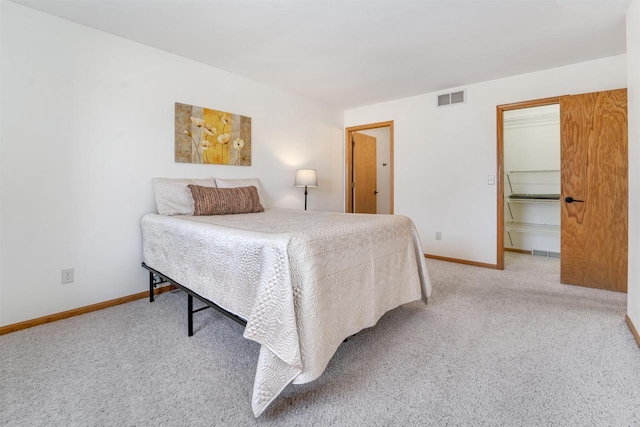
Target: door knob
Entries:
(375, 191)
(571, 200)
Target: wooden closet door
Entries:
(365, 174)
(594, 173)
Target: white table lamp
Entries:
(306, 178)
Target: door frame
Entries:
(500, 109)
(348, 205)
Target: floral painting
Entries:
(212, 136)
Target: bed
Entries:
(301, 281)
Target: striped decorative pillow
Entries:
(225, 201)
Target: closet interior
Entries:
(532, 180)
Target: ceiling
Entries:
(353, 53)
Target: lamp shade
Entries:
(306, 178)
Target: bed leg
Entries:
(190, 313)
(150, 287)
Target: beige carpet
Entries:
(509, 347)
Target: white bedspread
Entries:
(304, 281)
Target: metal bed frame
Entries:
(155, 278)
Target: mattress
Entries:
(303, 281)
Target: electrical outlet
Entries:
(67, 275)
(438, 235)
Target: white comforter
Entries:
(304, 281)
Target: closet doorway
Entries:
(593, 192)
(369, 168)
(531, 161)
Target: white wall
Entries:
(444, 155)
(383, 156)
(633, 93)
(532, 139)
(87, 122)
(1, 115)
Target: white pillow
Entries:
(173, 197)
(247, 182)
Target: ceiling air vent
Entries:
(451, 98)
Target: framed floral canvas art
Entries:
(211, 136)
